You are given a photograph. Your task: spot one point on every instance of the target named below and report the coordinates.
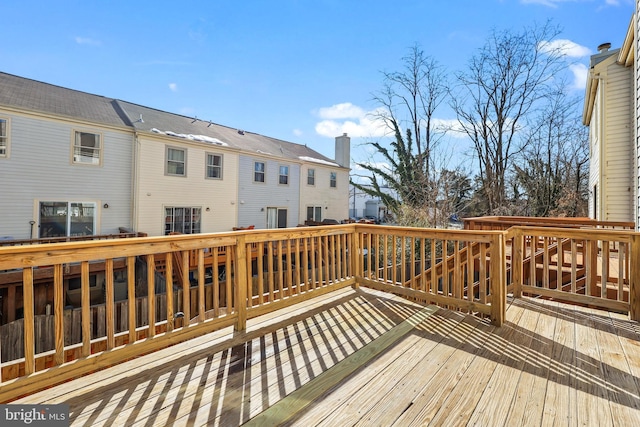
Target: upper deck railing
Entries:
(506, 222)
(179, 287)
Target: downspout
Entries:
(134, 182)
(602, 170)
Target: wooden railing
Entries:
(47, 240)
(179, 287)
(506, 222)
(462, 270)
(296, 264)
(596, 267)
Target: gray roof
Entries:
(601, 56)
(156, 120)
(27, 94)
(32, 95)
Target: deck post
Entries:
(498, 280)
(516, 262)
(354, 252)
(634, 279)
(240, 264)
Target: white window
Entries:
(176, 163)
(258, 172)
(276, 218)
(311, 177)
(4, 138)
(87, 148)
(333, 180)
(284, 175)
(214, 166)
(62, 219)
(184, 220)
(314, 213)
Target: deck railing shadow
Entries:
(228, 384)
(222, 380)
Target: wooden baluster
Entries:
(58, 313)
(170, 295)
(109, 305)
(29, 327)
(131, 298)
(86, 308)
(151, 296)
(260, 262)
(215, 276)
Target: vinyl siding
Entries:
(157, 190)
(254, 197)
(618, 144)
(594, 160)
(334, 201)
(40, 169)
(637, 113)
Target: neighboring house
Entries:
(65, 162)
(608, 111)
(197, 176)
(325, 184)
(186, 178)
(73, 163)
(363, 205)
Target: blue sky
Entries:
(300, 70)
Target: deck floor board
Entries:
(551, 363)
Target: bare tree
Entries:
(552, 170)
(408, 102)
(507, 80)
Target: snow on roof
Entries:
(311, 159)
(200, 138)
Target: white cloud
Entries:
(556, 3)
(87, 41)
(362, 124)
(549, 3)
(364, 127)
(346, 110)
(451, 126)
(580, 72)
(297, 132)
(173, 87)
(564, 46)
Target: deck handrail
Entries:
(226, 278)
(506, 222)
(552, 262)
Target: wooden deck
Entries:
(362, 357)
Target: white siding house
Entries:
(197, 176)
(608, 111)
(65, 162)
(325, 184)
(73, 163)
(268, 192)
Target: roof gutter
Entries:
(627, 54)
(590, 96)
